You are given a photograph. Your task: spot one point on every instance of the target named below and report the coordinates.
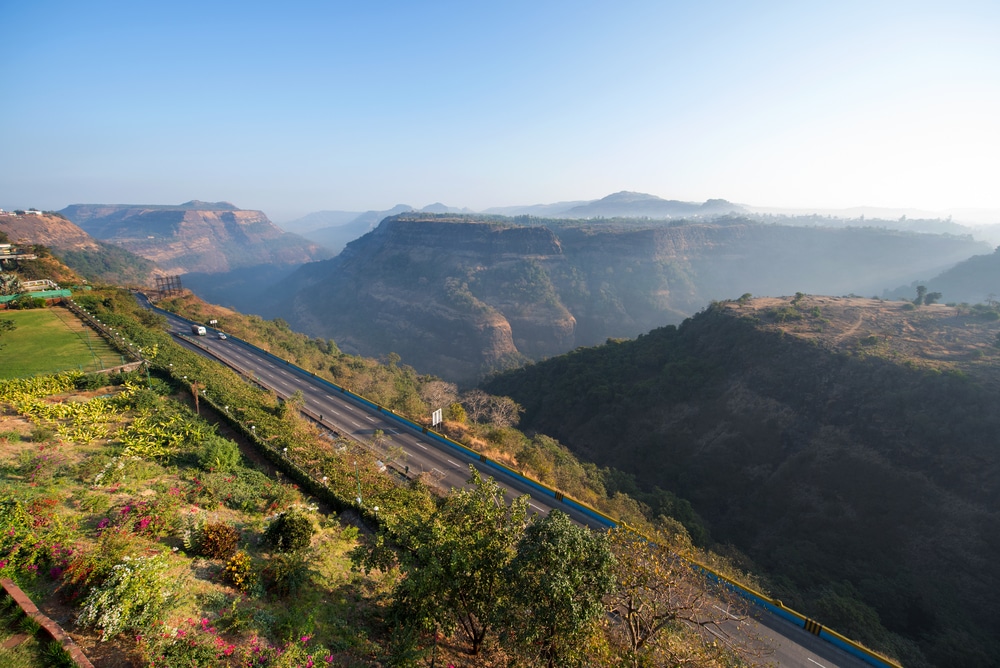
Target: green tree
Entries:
(921, 291)
(454, 561)
(932, 298)
(558, 580)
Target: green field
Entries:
(49, 340)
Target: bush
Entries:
(240, 572)
(89, 569)
(91, 381)
(131, 599)
(290, 531)
(41, 434)
(219, 540)
(218, 454)
(26, 302)
(287, 573)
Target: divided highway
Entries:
(791, 645)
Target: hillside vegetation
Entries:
(167, 544)
(848, 445)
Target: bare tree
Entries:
(664, 612)
(438, 393)
(505, 412)
(477, 405)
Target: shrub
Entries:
(88, 570)
(240, 572)
(218, 454)
(287, 572)
(290, 531)
(219, 540)
(131, 599)
(41, 434)
(91, 381)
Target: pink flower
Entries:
(306, 638)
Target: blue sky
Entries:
(301, 106)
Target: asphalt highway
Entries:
(788, 645)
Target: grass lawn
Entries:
(50, 340)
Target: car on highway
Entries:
(222, 336)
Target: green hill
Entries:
(847, 445)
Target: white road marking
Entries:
(816, 662)
(453, 463)
(421, 445)
(369, 418)
(723, 611)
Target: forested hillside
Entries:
(847, 445)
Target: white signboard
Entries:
(436, 418)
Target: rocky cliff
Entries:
(195, 236)
(461, 296)
(53, 231)
(91, 259)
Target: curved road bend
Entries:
(791, 645)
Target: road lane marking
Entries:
(816, 662)
(421, 445)
(369, 418)
(453, 463)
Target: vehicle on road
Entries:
(222, 336)
(198, 330)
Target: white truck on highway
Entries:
(198, 330)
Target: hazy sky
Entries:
(294, 106)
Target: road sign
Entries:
(436, 418)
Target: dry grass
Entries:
(946, 338)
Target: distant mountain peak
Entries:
(627, 196)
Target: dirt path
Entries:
(850, 330)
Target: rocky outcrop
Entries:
(462, 296)
(196, 236)
(46, 229)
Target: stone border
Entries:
(53, 630)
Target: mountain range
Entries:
(461, 296)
